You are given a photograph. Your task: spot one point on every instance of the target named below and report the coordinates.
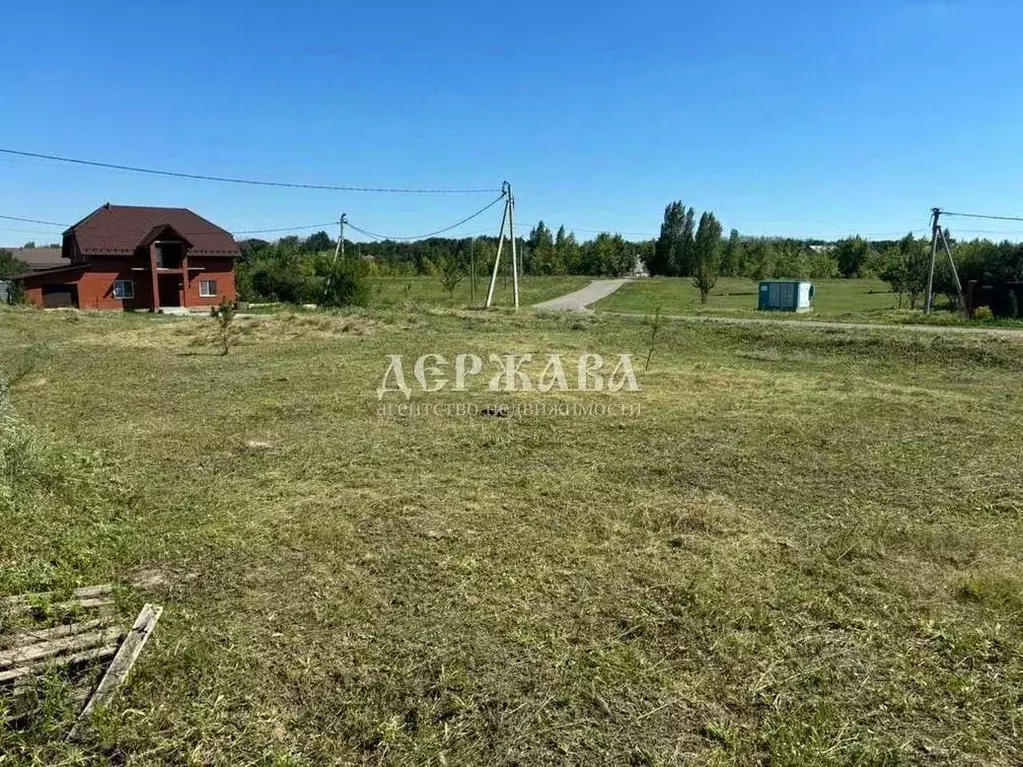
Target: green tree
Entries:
(318, 243)
(789, 260)
(905, 267)
(706, 255)
(451, 274)
(820, 263)
(685, 256)
(758, 259)
(852, 254)
(343, 281)
(566, 250)
(543, 253)
(9, 265)
(672, 254)
(731, 254)
(224, 317)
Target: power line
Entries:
(27, 231)
(455, 225)
(230, 180)
(980, 215)
(286, 228)
(31, 221)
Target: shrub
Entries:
(277, 281)
(983, 314)
(224, 316)
(343, 282)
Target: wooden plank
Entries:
(85, 592)
(121, 665)
(21, 656)
(27, 636)
(102, 604)
(86, 656)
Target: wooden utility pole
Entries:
(509, 218)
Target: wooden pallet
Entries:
(76, 651)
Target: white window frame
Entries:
(126, 289)
(204, 289)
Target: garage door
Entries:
(59, 296)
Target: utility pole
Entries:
(509, 218)
(511, 234)
(935, 229)
(938, 233)
(472, 272)
(340, 247)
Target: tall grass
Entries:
(17, 452)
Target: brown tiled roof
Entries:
(120, 229)
(38, 259)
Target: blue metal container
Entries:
(786, 296)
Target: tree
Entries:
(318, 243)
(29, 245)
(343, 281)
(450, 274)
(905, 267)
(224, 316)
(672, 253)
(606, 255)
(758, 259)
(9, 265)
(731, 255)
(566, 250)
(544, 256)
(685, 257)
(821, 263)
(706, 252)
(852, 255)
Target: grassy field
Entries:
(409, 292)
(805, 549)
(853, 300)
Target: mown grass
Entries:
(804, 550)
(733, 296)
(408, 292)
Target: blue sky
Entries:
(791, 118)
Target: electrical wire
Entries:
(455, 225)
(31, 220)
(27, 231)
(980, 215)
(185, 234)
(230, 180)
(286, 228)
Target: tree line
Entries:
(303, 270)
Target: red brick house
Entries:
(128, 257)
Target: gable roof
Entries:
(121, 229)
(38, 259)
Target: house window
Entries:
(124, 289)
(208, 288)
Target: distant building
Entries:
(128, 257)
(638, 267)
(37, 259)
